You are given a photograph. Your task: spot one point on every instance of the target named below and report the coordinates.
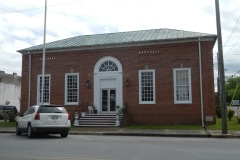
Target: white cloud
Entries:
(67, 18)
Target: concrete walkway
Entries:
(143, 132)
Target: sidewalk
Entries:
(143, 132)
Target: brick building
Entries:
(162, 76)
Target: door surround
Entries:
(106, 78)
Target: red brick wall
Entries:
(163, 58)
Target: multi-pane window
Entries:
(46, 93)
(182, 85)
(108, 66)
(71, 88)
(147, 86)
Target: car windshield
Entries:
(51, 109)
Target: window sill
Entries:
(147, 102)
(71, 104)
(183, 102)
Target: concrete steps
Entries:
(98, 120)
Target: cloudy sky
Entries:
(22, 23)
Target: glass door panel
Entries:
(108, 100)
(112, 100)
(104, 100)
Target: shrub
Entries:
(124, 110)
(230, 114)
(5, 117)
(218, 111)
(12, 115)
(9, 115)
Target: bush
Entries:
(9, 115)
(124, 110)
(230, 114)
(12, 115)
(218, 111)
(5, 117)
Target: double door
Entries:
(108, 100)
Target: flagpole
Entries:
(43, 58)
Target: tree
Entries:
(232, 86)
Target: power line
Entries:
(234, 29)
(227, 56)
(22, 10)
(234, 45)
(16, 11)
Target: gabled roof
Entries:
(121, 38)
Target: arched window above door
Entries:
(108, 66)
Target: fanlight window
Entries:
(108, 66)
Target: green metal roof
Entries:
(120, 38)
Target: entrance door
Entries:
(108, 100)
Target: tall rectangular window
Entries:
(182, 86)
(71, 88)
(46, 94)
(147, 87)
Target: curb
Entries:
(7, 131)
(157, 135)
(139, 134)
(224, 136)
(207, 135)
(128, 134)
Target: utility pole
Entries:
(222, 89)
(43, 59)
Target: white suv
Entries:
(47, 119)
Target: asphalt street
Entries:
(97, 147)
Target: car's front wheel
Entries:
(30, 132)
(18, 132)
(64, 135)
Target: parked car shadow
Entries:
(43, 136)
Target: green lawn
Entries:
(7, 124)
(232, 125)
(177, 127)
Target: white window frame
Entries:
(175, 86)
(66, 89)
(140, 87)
(38, 89)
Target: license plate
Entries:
(55, 117)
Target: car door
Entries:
(23, 121)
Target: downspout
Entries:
(200, 77)
(29, 79)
